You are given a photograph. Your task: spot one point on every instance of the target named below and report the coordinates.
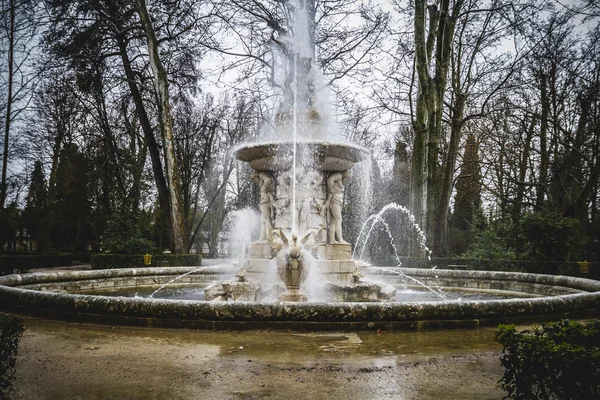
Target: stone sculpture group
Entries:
(275, 202)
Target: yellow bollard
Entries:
(584, 267)
(148, 259)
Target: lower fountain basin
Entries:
(46, 295)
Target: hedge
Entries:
(560, 360)
(539, 267)
(10, 264)
(82, 257)
(109, 261)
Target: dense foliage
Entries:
(24, 262)
(560, 360)
(11, 331)
(537, 237)
(488, 134)
(108, 261)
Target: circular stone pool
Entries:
(195, 291)
(527, 298)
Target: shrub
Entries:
(138, 246)
(551, 236)
(81, 257)
(109, 261)
(560, 360)
(21, 263)
(11, 331)
(176, 260)
(492, 243)
(124, 236)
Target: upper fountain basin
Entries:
(323, 155)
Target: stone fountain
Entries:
(301, 182)
(301, 177)
(305, 204)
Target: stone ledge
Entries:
(334, 252)
(312, 316)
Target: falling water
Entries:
(379, 218)
(301, 49)
(437, 291)
(173, 280)
(294, 139)
(242, 229)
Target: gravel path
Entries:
(60, 360)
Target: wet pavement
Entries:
(60, 360)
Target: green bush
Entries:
(123, 234)
(492, 243)
(23, 262)
(176, 260)
(138, 246)
(560, 360)
(510, 265)
(531, 266)
(11, 331)
(550, 236)
(109, 261)
(81, 257)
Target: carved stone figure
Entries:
(267, 204)
(284, 191)
(307, 197)
(334, 203)
(292, 266)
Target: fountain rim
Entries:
(284, 315)
(333, 155)
(300, 141)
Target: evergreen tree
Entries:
(34, 216)
(71, 208)
(468, 196)
(9, 226)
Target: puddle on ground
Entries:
(74, 360)
(282, 346)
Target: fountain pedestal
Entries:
(336, 251)
(333, 261)
(293, 295)
(301, 185)
(261, 250)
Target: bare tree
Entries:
(112, 31)
(161, 84)
(342, 37)
(440, 77)
(19, 22)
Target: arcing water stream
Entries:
(378, 218)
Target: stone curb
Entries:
(311, 315)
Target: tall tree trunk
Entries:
(134, 195)
(445, 188)
(9, 99)
(161, 84)
(544, 155)
(419, 152)
(520, 191)
(159, 177)
(429, 106)
(578, 206)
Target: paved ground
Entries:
(60, 360)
